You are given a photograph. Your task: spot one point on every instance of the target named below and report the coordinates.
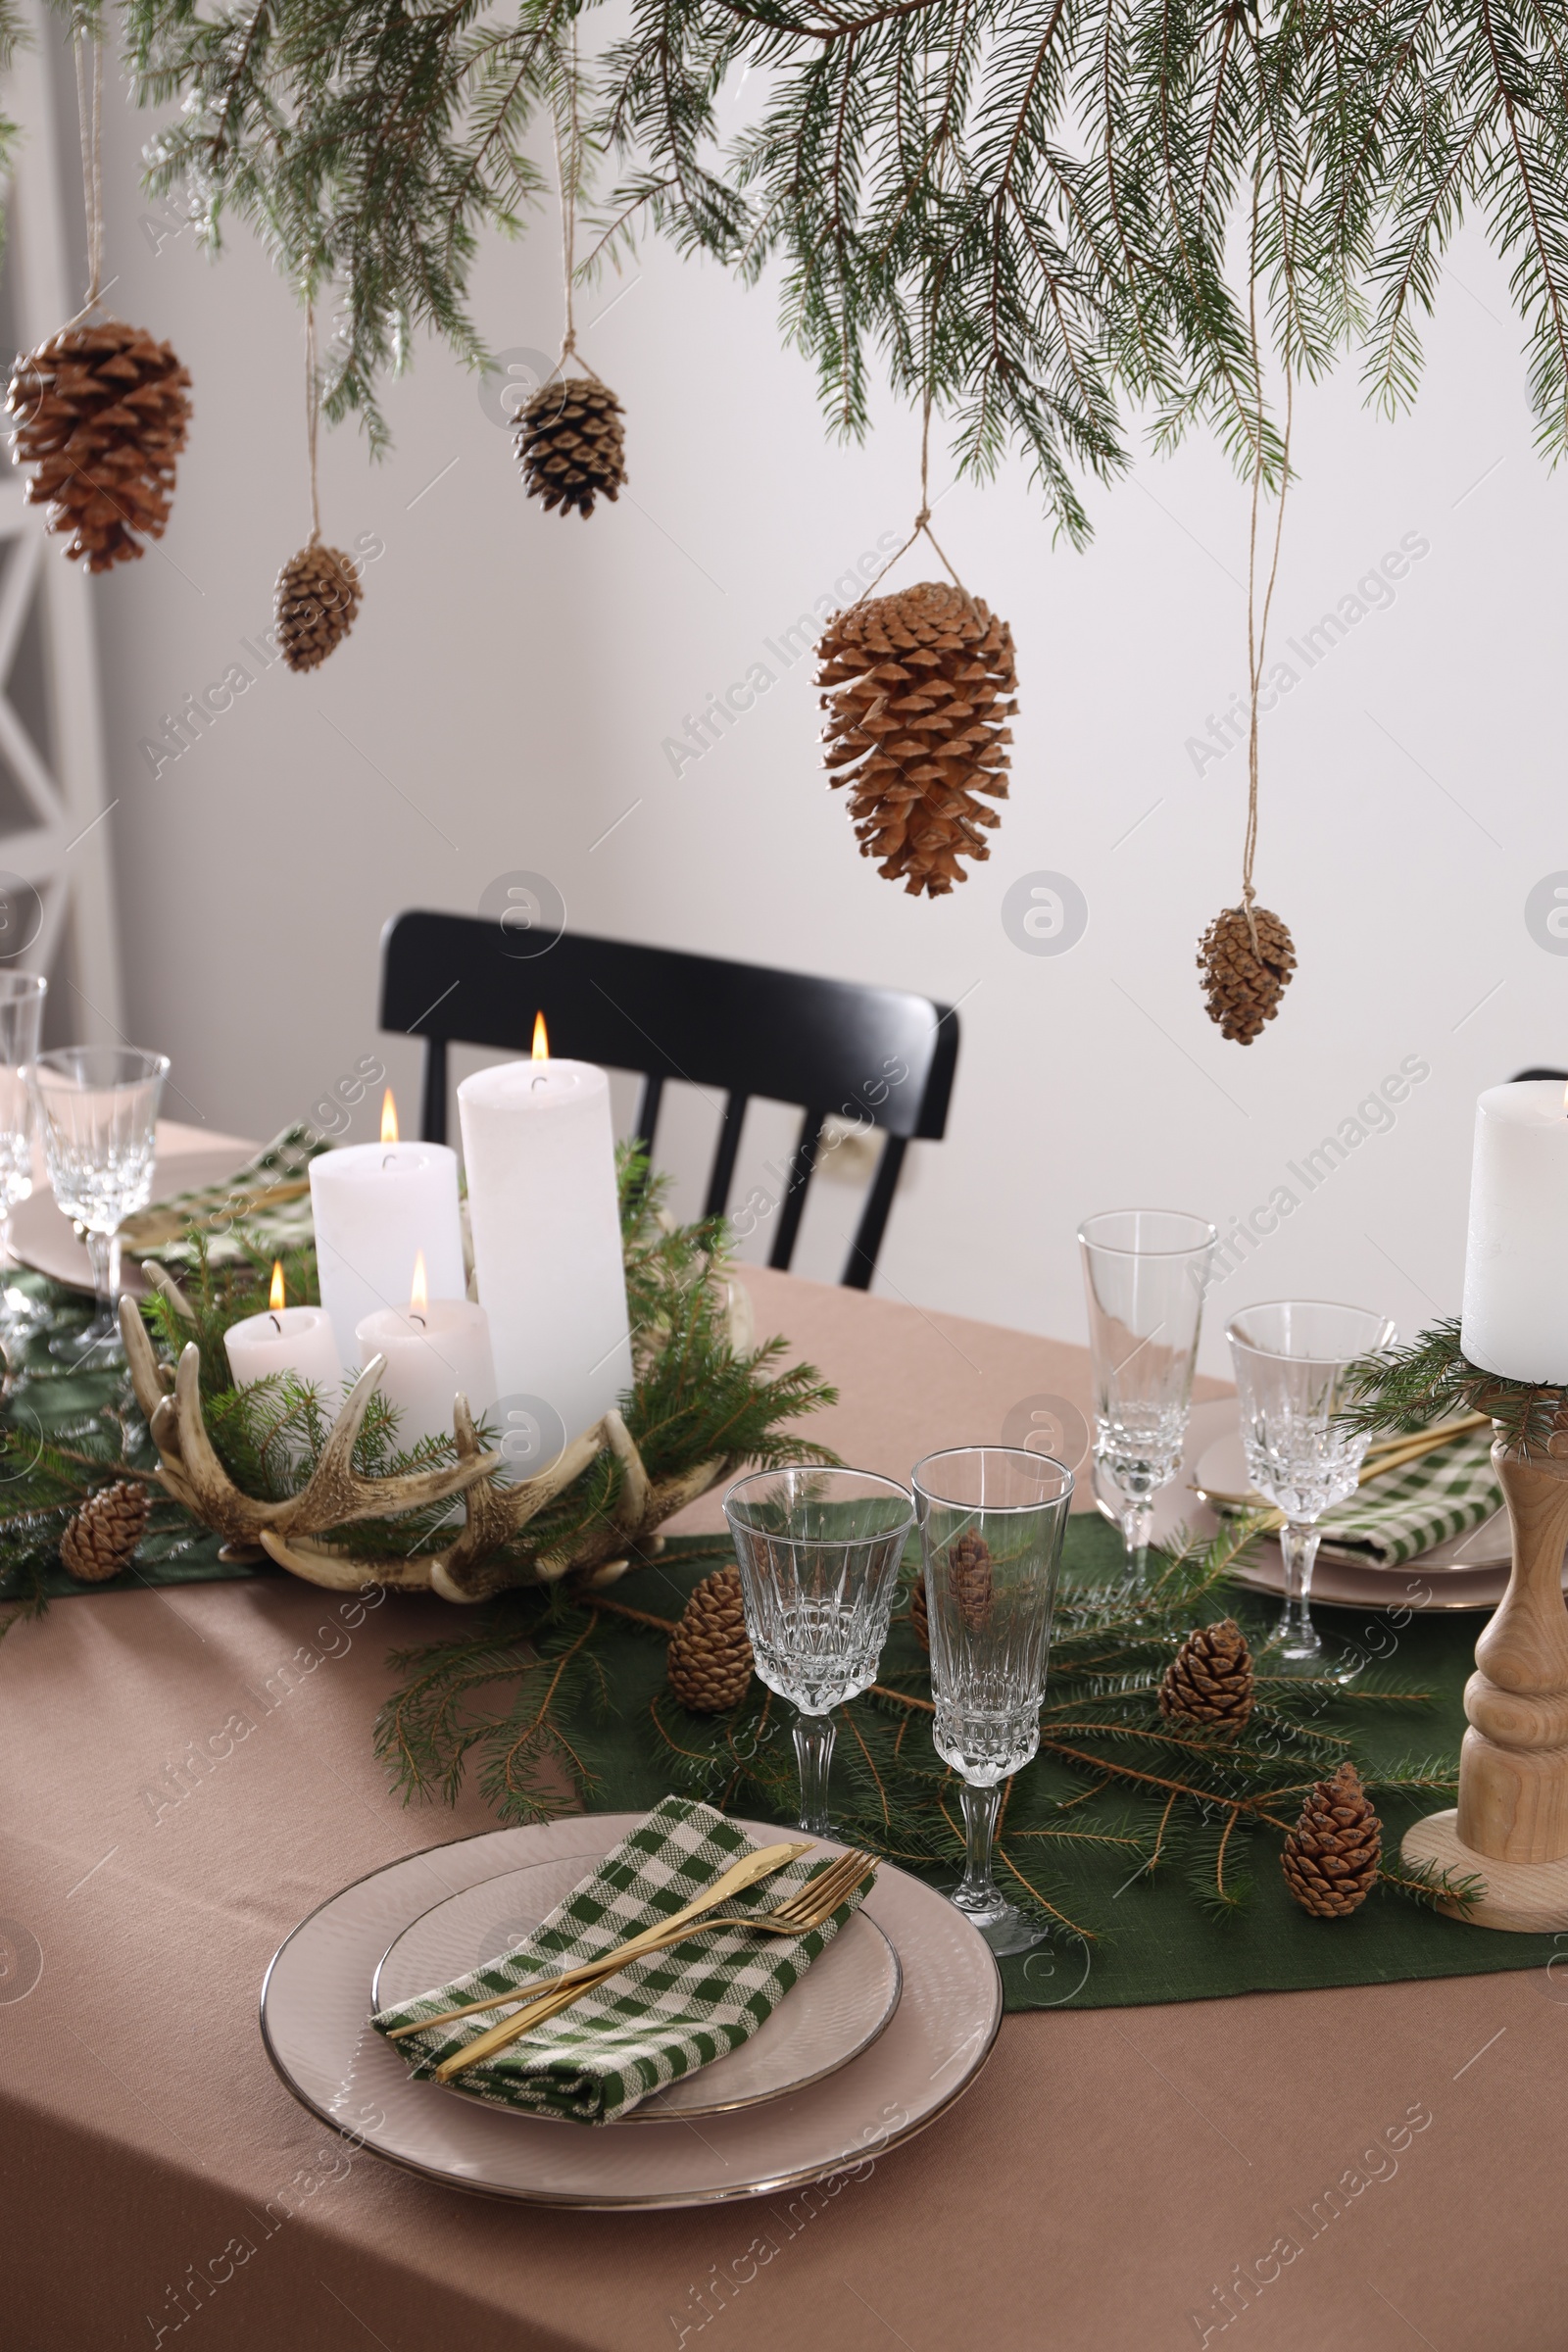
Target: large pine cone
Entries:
(969, 1580)
(101, 411)
(102, 1536)
(571, 444)
(920, 688)
(1331, 1856)
(1242, 990)
(710, 1657)
(319, 594)
(920, 1613)
(1209, 1680)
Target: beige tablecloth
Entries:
(1102, 2182)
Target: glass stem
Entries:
(103, 1253)
(980, 1807)
(813, 1753)
(1136, 1528)
(1298, 1551)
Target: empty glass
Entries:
(1291, 1359)
(22, 996)
(818, 1552)
(991, 1527)
(97, 1111)
(1144, 1274)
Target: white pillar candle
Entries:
(539, 1147)
(435, 1351)
(1516, 1263)
(297, 1339)
(375, 1206)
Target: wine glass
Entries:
(992, 1519)
(818, 1552)
(22, 995)
(98, 1110)
(1291, 1359)
(1144, 1274)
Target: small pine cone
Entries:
(1243, 987)
(102, 1536)
(1209, 1680)
(920, 688)
(969, 1580)
(571, 444)
(101, 409)
(1331, 1856)
(920, 1614)
(319, 594)
(710, 1657)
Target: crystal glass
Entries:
(97, 1111)
(1144, 1274)
(991, 1520)
(1291, 1359)
(818, 1552)
(22, 996)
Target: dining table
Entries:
(1115, 2179)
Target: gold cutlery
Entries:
(761, 1863)
(809, 1908)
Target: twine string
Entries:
(1258, 624)
(923, 523)
(89, 116)
(568, 172)
(313, 417)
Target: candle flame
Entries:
(275, 1296)
(541, 1038)
(389, 1118)
(420, 1287)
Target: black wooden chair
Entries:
(875, 1055)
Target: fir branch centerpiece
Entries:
(1431, 1380)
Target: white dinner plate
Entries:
(316, 2026)
(48, 1242)
(844, 2000)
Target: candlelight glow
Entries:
(420, 1288)
(541, 1038)
(276, 1297)
(389, 1118)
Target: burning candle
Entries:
(435, 1351)
(540, 1151)
(297, 1339)
(375, 1206)
(1516, 1262)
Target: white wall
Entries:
(508, 685)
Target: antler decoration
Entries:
(336, 1495)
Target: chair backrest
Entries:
(877, 1055)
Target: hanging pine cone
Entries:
(1243, 988)
(104, 1533)
(969, 1580)
(1209, 1680)
(920, 1614)
(921, 685)
(1331, 1856)
(571, 444)
(319, 594)
(709, 1659)
(101, 411)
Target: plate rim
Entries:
(640, 2113)
(745, 2193)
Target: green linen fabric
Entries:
(656, 2020)
(159, 1230)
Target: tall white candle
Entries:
(1516, 1262)
(375, 1206)
(436, 1349)
(539, 1147)
(295, 1339)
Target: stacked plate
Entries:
(1468, 1572)
(882, 2033)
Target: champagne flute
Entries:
(992, 1519)
(22, 995)
(98, 1112)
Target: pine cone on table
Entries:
(103, 1535)
(920, 684)
(571, 444)
(318, 595)
(970, 1581)
(708, 1663)
(101, 409)
(920, 1613)
(1331, 1856)
(1209, 1680)
(1242, 986)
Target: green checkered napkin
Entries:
(241, 1199)
(1396, 1518)
(661, 2018)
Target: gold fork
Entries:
(810, 1908)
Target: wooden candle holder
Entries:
(1510, 1828)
